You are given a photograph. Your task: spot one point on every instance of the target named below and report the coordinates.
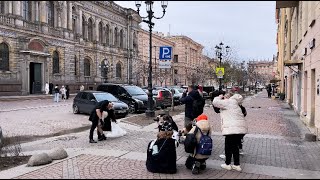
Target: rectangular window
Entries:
(175, 58)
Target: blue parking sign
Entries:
(165, 53)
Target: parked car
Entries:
(177, 94)
(162, 96)
(133, 96)
(85, 101)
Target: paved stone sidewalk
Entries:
(274, 148)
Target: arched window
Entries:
(27, 9)
(75, 65)
(83, 28)
(121, 38)
(4, 57)
(74, 21)
(86, 67)
(90, 30)
(55, 62)
(100, 33)
(107, 34)
(116, 37)
(50, 13)
(2, 7)
(118, 70)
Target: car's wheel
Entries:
(76, 109)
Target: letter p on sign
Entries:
(165, 53)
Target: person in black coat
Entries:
(161, 153)
(96, 119)
(187, 99)
(67, 91)
(50, 88)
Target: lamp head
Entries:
(164, 4)
(138, 4)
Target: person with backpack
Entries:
(161, 152)
(194, 105)
(233, 126)
(203, 147)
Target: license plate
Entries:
(122, 111)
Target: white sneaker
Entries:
(237, 168)
(227, 167)
(222, 156)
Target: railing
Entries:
(6, 20)
(55, 32)
(32, 26)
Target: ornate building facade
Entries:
(66, 43)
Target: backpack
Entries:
(190, 142)
(205, 144)
(197, 106)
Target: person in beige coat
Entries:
(233, 126)
(203, 124)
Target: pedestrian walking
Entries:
(194, 105)
(46, 88)
(56, 93)
(202, 130)
(161, 153)
(233, 126)
(63, 93)
(96, 119)
(81, 88)
(67, 91)
(50, 88)
(269, 90)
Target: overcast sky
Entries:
(249, 28)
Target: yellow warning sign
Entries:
(220, 71)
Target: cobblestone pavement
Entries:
(273, 148)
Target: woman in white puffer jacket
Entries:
(233, 126)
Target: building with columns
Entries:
(66, 43)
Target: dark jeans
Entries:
(93, 127)
(269, 94)
(232, 148)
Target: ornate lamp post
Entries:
(220, 50)
(148, 19)
(105, 69)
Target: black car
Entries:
(85, 101)
(133, 96)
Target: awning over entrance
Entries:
(286, 4)
(274, 80)
(292, 62)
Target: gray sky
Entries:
(248, 27)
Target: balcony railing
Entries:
(6, 20)
(55, 32)
(32, 26)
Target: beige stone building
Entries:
(298, 57)
(190, 58)
(65, 42)
(160, 77)
(264, 70)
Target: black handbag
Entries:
(189, 162)
(190, 142)
(106, 125)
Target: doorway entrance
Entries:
(35, 78)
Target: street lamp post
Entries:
(219, 52)
(148, 19)
(105, 66)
